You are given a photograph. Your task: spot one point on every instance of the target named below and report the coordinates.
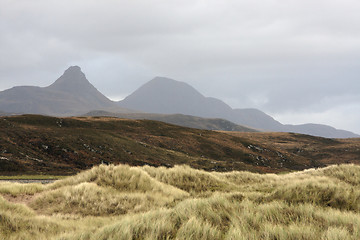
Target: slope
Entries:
(48, 145)
(179, 119)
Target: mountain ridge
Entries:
(181, 98)
(72, 94)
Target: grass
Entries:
(15, 189)
(123, 202)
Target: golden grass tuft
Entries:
(320, 192)
(122, 178)
(15, 189)
(190, 180)
(123, 202)
(347, 173)
(17, 221)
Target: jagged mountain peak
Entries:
(72, 79)
(73, 73)
(72, 70)
(70, 94)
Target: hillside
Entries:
(168, 96)
(122, 202)
(179, 119)
(49, 145)
(315, 149)
(71, 94)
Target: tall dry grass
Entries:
(123, 202)
(14, 189)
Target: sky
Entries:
(296, 60)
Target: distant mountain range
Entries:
(167, 96)
(72, 94)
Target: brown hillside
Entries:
(326, 151)
(49, 145)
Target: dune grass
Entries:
(15, 189)
(123, 202)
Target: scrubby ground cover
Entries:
(123, 202)
(43, 145)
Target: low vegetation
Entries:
(43, 145)
(124, 202)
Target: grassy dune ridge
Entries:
(123, 202)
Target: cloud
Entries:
(285, 57)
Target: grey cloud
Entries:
(279, 56)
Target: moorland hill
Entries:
(43, 145)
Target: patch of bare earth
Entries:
(23, 198)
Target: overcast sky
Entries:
(297, 60)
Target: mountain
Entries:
(320, 130)
(180, 120)
(71, 94)
(256, 119)
(167, 96)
